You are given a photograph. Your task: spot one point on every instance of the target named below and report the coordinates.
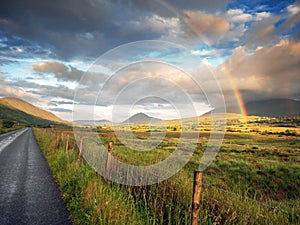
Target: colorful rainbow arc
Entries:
(183, 17)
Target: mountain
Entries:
(22, 112)
(268, 108)
(92, 122)
(27, 108)
(141, 118)
(274, 108)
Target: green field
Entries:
(255, 178)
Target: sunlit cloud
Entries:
(46, 57)
(293, 9)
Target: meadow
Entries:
(255, 178)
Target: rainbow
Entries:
(183, 17)
(237, 94)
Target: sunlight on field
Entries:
(253, 180)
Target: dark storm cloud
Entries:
(13, 48)
(72, 28)
(87, 28)
(269, 72)
(65, 26)
(163, 8)
(80, 15)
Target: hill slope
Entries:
(141, 118)
(8, 113)
(270, 108)
(274, 108)
(20, 105)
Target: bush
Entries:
(7, 123)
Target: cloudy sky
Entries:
(57, 53)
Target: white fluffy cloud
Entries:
(262, 15)
(201, 52)
(293, 9)
(238, 16)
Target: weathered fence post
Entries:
(109, 151)
(57, 142)
(196, 197)
(80, 149)
(67, 143)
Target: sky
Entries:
(108, 59)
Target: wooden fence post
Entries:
(80, 149)
(67, 143)
(196, 197)
(62, 140)
(109, 151)
(57, 142)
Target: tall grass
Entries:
(89, 198)
(242, 186)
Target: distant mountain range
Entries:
(141, 118)
(274, 108)
(92, 122)
(137, 118)
(271, 108)
(22, 112)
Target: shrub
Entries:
(7, 123)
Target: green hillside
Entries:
(30, 109)
(10, 113)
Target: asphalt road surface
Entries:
(28, 192)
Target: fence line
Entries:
(274, 208)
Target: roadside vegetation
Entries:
(8, 125)
(255, 178)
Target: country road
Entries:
(28, 192)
